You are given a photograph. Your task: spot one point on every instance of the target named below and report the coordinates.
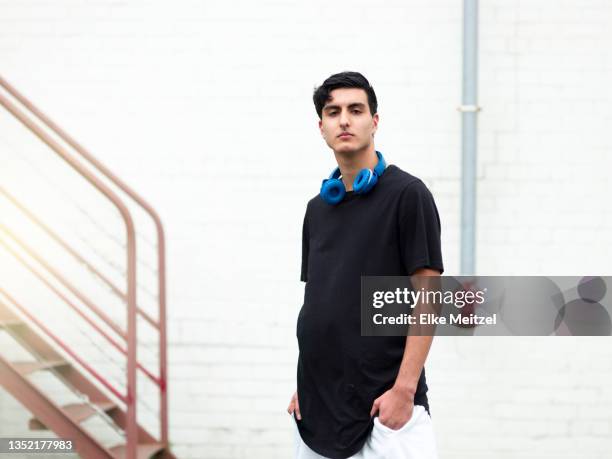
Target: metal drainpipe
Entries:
(469, 110)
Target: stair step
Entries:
(143, 450)
(25, 368)
(78, 412)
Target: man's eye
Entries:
(332, 113)
(356, 111)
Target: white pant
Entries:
(415, 440)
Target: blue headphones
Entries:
(333, 190)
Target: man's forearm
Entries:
(415, 354)
(419, 341)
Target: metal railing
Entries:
(91, 169)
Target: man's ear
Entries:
(321, 128)
(375, 123)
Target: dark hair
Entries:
(344, 80)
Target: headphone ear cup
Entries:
(365, 181)
(332, 191)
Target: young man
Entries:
(358, 396)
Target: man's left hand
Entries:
(394, 408)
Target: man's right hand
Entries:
(294, 406)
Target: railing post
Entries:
(163, 373)
(132, 345)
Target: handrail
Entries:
(161, 250)
(131, 431)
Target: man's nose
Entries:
(344, 118)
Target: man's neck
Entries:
(351, 164)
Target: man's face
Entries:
(346, 123)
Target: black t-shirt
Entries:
(391, 231)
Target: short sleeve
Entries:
(419, 229)
(305, 247)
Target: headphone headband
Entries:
(382, 164)
(333, 190)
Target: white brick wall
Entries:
(205, 108)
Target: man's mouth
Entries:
(345, 135)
